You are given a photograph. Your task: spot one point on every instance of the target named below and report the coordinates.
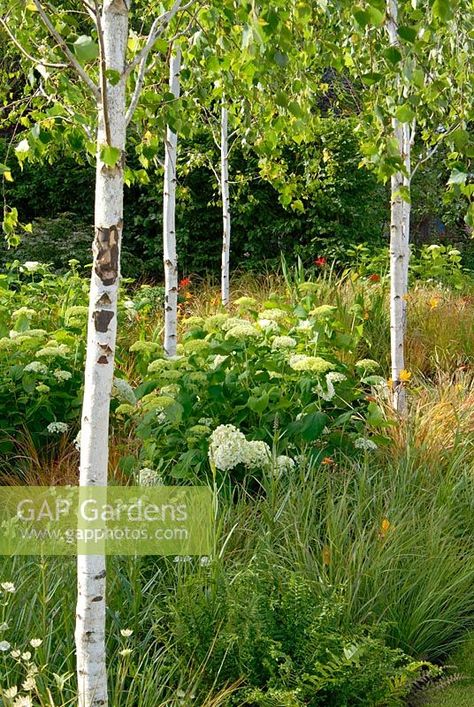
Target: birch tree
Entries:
(226, 223)
(170, 258)
(106, 81)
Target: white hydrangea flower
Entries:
(246, 302)
(336, 377)
(50, 350)
(301, 362)
(36, 367)
(149, 477)
(364, 443)
(31, 265)
(257, 455)
(58, 428)
(269, 326)
(331, 378)
(207, 421)
(123, 391)
(274, 313)
(283, 342)
(242, 331)
(304, 325)
(61, 375)
(227, 447)
(26, 311)
(323, 311)
(284, 464)
(367, 364)
(4, 646)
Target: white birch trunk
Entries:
(225, 295)
(169, 221)
(101, 338)
(399, 240)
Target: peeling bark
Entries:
(399, 239)
(170, 259)
(225, 294)
(101, 337)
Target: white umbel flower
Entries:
(283, 342)
(364, 443)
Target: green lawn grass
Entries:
(460, 693)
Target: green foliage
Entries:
(286, 375)
(282, 635)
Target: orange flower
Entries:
(185, 282)
(327, 461)
(374, 277)
(326, 553)
(384, 527)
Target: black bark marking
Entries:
(106, 349)
(103, 301)
(106, 249)
(99, 598)
(101, 575)
(102, 359)
(102, 319)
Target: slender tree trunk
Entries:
(101, 338)
(399, 239)
(225, 208)
(169, 226)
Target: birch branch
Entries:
(140, 59)
(66, 51)
(48, 64)
(433, 150)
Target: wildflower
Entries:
(205, 561)
(434, 302)
(8, 587)
(256, 455)
(320, 262)
(374, 277)
(126, 632)
(269, 326)
(58, 428)
(326, 555)
(4, 646)
(149, 477)
(24, 701)
(11, 692)
(36, 367)
(36, 642)
(125, 652)
(301, 362)
(123, 391)
(26, 655)
(129, 304)
(62, 375)
(367, 365)
(183, 558)
(404, 376)
(364, 443)
(327, 461)
(15, 654)
(384, 527)
(283, 342)
(29, 684)
(185, 282)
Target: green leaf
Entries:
(6, 173)
(110, 155)
(457, 177)
(460, 138)
(407, 33)
(371, 78)
(258, 405)
(405, 113)
(309, 427)
(112, 76)
(442, 10)
(393, 55)
(85, 48)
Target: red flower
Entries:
(374, 277)
(320, 262)
(185, 282)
